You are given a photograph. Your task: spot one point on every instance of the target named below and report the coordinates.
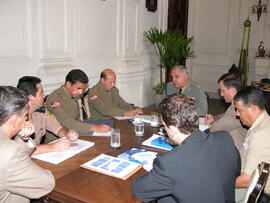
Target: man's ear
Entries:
(12, 121)
(173, 129)
(68, 84)
(254, 108)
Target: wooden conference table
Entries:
(75, 184)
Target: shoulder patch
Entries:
(55, 104)
(93, 97)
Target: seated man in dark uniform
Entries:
(105, 101)
(203, 168)
(63, 104)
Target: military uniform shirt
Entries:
(256, 147)
(43, 122)
(104, 104)
(193, 90)
(66, 110)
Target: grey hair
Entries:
(12, 101)
(181, 68)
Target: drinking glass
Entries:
(115, 138)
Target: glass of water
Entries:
(115, 138)
(139, 128)
(154, 119)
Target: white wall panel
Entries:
(95, 27)
(15, 32)
(54, 31)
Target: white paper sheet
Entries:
(57, 157)
(122, 117)
(107, 134)
(202, 125)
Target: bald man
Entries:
(105, 101)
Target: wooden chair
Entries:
(257, 183)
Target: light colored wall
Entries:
(48, 38)
(217, 27)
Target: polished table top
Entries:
(75, 184)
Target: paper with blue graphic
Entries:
(112, 166)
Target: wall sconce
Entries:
(259, 9)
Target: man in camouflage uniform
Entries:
(64, 105)
(182, 84)
(42, 121)
(105, 101)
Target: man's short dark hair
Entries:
(12, 101)
(77, 75)
(28, 84)
(103, 75)
(180, 111)
(251, 96)
(232, 80)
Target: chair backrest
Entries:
(257, 183)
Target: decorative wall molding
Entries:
(54, 31)
(16, 30)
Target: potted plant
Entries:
(172, 48)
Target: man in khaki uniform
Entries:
(250, 106)
(229, 85)
(43, 121)
(105, 101)
(63, 103)
(181, 83)
(21, 179)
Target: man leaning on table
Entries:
(105, 101)
(43, 121)
(20, 178)
(229, 84)
(203, 168)
(63, 104)
(250, 107)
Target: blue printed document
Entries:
(140, 156)
(158, 141)
(112, 166)
(162, 142)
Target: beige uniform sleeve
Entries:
(258, 151)
(23, 177)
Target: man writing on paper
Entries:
(250, 107)
(229, 84)
(43, 121)
(63, 104)
(203, 168)
(20, 178)
(105, 101)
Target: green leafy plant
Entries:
(171, 47)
